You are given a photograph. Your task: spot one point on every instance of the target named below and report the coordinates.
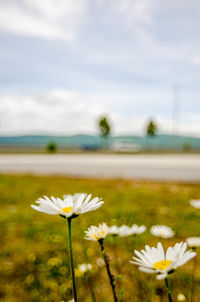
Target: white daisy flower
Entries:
(155, 260)
(195, 203)
(193, 242)
(136, 230)
(162, 231)
(100, 262)
(181, 297)
(84, 267)
(70, 206)
(113, 230)
(124, 231)
(96, 233)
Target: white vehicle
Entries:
(125, 147)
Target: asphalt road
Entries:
(185, 168)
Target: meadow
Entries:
(34, 256)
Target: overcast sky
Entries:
(64, 63)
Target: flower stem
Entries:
(168, 289)
(111, 278)
(192, 294)
(71, 258)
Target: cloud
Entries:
(66, 112)
(122, 58)
(47, 19)
(133, 12)
(63, 19)
(196, 59)
(57, 112)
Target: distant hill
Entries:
(90, 141)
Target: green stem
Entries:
(193, 279)
(93, 296)
(71, 258)
(111, 278)
(168, 289)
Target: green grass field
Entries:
(34, 256)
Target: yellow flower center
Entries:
(161, 265)
(67, 210)
(95, 237)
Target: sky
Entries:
(65, 63)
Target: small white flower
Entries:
(113, 230)
(181, 297)
(193, 242)
(70, 300)
(162, 231)
(195, 203)
(155, 260)
(96, 233)
(100, 262)
(85, 267)
(136, 230)
(124, 231)
(70, 206)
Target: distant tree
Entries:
(51, 147)
(187, 147)
(104, 127)
(152, 128)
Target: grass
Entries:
(34, 256)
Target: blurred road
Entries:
(184, 168)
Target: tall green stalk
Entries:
(111, 278)
(193, 289)
(71, 258)
(168, 289)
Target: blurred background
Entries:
(66, 64)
